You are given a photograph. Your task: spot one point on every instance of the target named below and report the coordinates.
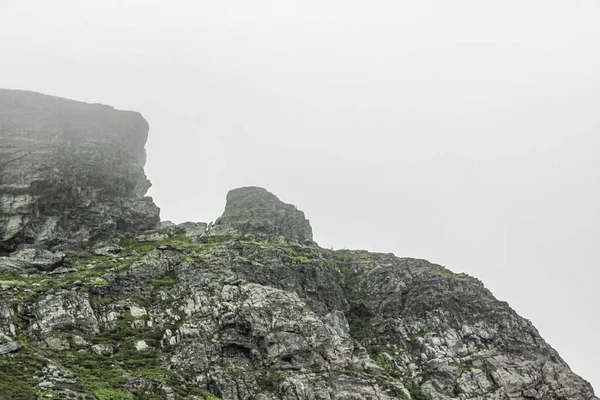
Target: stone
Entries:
(61, 270)
(57, 344)
(227, 316)
(65, 312)
(254, 212)
(108, 250)
(141, 345)
(193, 230)
(42, 260)
(7, 345)
(137, 312)
(70, 172)
(102, 349)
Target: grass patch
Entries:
(360, 328)
(17, 371)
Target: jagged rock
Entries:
(65, 311)
(42, 260)
(193, 230)
(7, 345)
(255, 213)
(103, 349)
(141, 345)
(70, 172)
(57, 344)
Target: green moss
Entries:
(269, 381)
(112, 394)
(97, 281)
(213, 239)
(99, 374)
(416, 393)
(360, 328)
(106, 375)
(103, 300)
(415, 335)
(470, 367)
(13, 282)
(17, 371)
(140, 300)
(166, 280)
(208, 396)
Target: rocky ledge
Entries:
(249, 308)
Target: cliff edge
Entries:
(70, 172)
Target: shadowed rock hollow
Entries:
(248, 309)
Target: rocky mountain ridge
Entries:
(98, 300)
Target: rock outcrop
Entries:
(70, 172)
(253, 212)
(248, 309)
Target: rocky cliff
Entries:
(70, 172)
(248, 308)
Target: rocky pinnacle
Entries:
(254, 212)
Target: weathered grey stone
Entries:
(255, 213)
(70, 171)
(57, 344)
(42, 260)
(7, 345)
(102, 349)
(108, 250)
(65, 312)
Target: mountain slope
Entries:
(247, 308)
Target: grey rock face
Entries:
(254, 320)
(70, 171)
(246, 309)
(255, 213)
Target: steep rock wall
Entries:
(70, 171)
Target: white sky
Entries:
(463, 132)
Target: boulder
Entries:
(42, 260)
